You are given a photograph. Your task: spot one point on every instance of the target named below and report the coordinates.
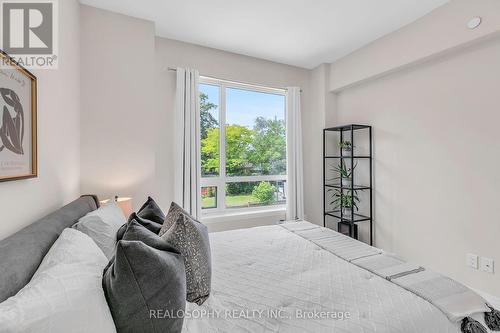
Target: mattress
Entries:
(268, 279)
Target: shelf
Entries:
(355, 157)
(352, 127)
(355, 187)
(349, 158)
(357, 217)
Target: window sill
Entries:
(227, 216)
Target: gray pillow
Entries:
(150, 225)
(151, 211)
(141, 281)
(121, 232)
(136, 231)
(190, 237)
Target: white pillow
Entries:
(65, 294)
(102, 225)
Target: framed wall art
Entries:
(18, 135)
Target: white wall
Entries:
(127, 112)
(312, 127)
(435, 142)
(24, 201)
(442, 31)
(118, 124)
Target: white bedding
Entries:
(65, 294)
(261, 270)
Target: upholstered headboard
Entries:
(22, 253)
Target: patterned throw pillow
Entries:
(190, 238)
(173, 214)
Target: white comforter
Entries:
(268, 279)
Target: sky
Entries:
(243, 106)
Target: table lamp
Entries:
(125, 204)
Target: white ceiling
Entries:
(302, 33)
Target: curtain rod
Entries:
(251, 84)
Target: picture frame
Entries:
(18, 121)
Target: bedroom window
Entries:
(242, 146)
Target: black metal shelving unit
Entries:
(351, 222)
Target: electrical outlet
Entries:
(488, 265)
(472, 261)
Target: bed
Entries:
(268, 268)
(264, 279)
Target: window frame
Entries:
(220, 181)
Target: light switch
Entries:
(472, 261)
(488, 265)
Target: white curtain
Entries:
(295, 183)
(187, 129)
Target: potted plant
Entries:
(346, 147)
(345, 174)
(345, 201)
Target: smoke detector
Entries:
(474, 22)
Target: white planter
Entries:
(346, 151)
(346, 182)
(346, 212)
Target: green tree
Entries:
(243, 188)
(268, 154)
(208, 125)
(207, 121)
(210, 153)
(264, 193)
(261, 150)
(238, 145)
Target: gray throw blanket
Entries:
(455, 300)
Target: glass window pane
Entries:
(209, 123)
(255, 194)
(208, 197)
(255, 133)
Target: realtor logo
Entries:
(29, 32)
